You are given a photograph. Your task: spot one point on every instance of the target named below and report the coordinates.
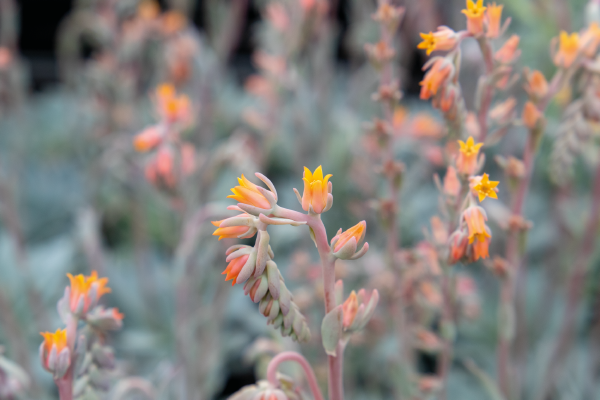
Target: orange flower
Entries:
(466, 162)
(480, 248)
(424, 125)
(493, 17)
(568, 48)
(357, 232)
(475, 218)
(504, 111)
(54, 352)
(531, 115)
(483, 187)
(171, 107)
(316, 190)
(350, 307)
(458, 246)
(231, 229)
(234, 268)
(248, 193)
(536, 84)
(148, 9)
(590, 40)
(509, 51)
(148, 139)
(475, 13)
(434, 78)
(173, 22)
(443, 39)
(86, 291)
(58, 339)
(451, 182)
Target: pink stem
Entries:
(65, 384)
(293, 356)
(575, 289)
(486, 98)
(336, 387)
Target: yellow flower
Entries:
(315, 190)
(466, 162)
(475, 13)
(568, 49)
(443, 39)
(483, 187)
(58, 339)
(428, 42)
(81, 287)
(494, 15)
(248, 193)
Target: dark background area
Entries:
(40, 21)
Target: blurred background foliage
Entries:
(74, 196)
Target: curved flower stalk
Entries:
(81, 364)
(254, 267)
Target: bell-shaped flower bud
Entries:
(241, 226)
(316, 191)
(254, 199)
(55, 355)
(345, 244)
(458, 243)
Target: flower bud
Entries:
(109, 319)
(55, 355)
(509, 52)
(262, 390)
(242, 226)
(148, 139)
(536, 85)
(493, 18)
(316, 190)
(531, 115)
(345, 244)
(458, 246)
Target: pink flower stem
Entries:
(336, 387)
(575, 289)
(486, 98)
(293, 356)
(513, 254)
(65, 384)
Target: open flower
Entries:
(483, 187)
(54, 353)
(345, 244)
(85, 291)
(250, 194)
(467, 161)
(241, 226)
(170, 106)
(568, 48)
(493, 18)
(316, 190)
(443, 39)
(475, 218)
(480, 247)
(475, 13)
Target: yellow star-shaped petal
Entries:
(429, 42)
(485, 188)
(469, 148)
(473, 9)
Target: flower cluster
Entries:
(170, 158)
(77, 357)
